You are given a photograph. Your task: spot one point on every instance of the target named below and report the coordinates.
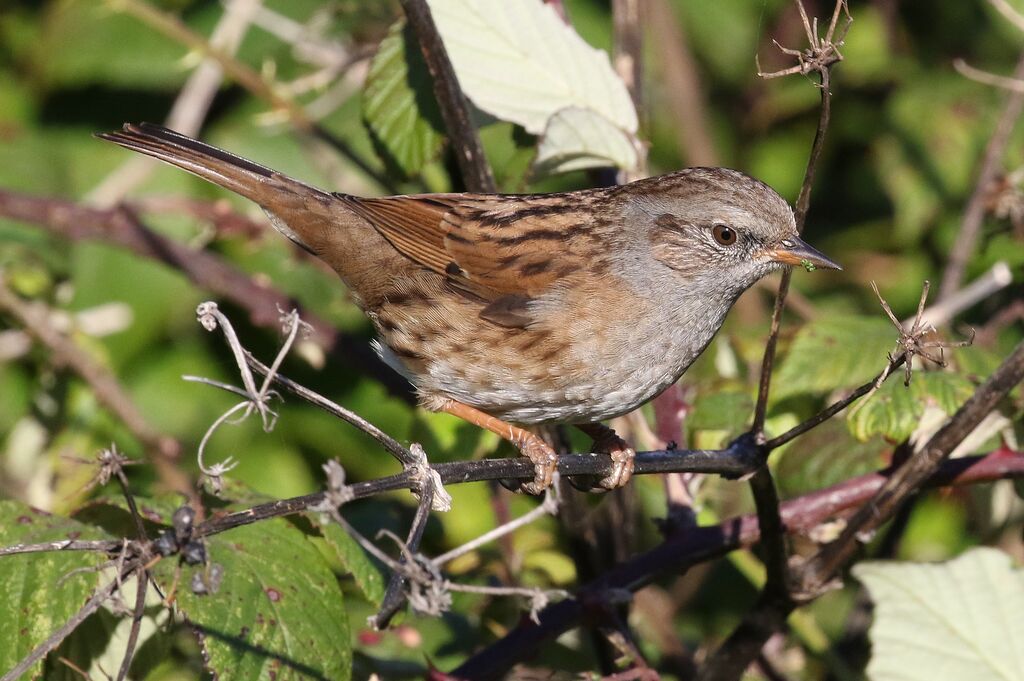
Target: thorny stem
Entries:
(775, 597)
(769, 615)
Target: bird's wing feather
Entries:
(502, 249)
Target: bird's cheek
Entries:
(681, 257)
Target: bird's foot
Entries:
(544, 458)
(622, 455)
(545, 463)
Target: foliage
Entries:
(950, 620)
(901, 162)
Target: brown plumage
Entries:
(572, 307)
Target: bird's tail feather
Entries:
(223, 168)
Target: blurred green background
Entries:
(900, 162)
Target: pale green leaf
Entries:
(398, 102)
(834, 352)
(277, 612)
(38, 590)
(963, 619)
(895, 410)
(519, 62)
(577, 139)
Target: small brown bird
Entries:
(528, 309)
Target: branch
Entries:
(911, 476)
(746, 641)
(974, 213)
(684, 550)
(469, 152)
(820, 57)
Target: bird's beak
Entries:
(794, 251)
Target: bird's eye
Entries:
(724, 234)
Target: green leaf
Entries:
(363, 570)
(826, 456)
(398, 102)
(577, 139)
(832, 353)
(519, 62)
(958, 620)
(895, 410)
(278, 610)
(38, 592)
(721, 411)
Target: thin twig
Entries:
(248, 78)
(800, 215)
(548, 507)
(469, 151)
(394, 596)
(974, 212)
(142, 575)
(1009, 13)
(192, 103)
(393, 446)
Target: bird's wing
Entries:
(504, 250)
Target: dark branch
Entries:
(683, 550)
(909, 478)
(469, 152)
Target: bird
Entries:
(514, 310)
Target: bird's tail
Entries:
(279, 195)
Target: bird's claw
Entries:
(545, 464)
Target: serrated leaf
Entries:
(895, 410)
(519, 62)
(826, 456)
(365, 573)
(398, 102)
(577, 139)
(37, 594)
(278, 610)
(832, 353)
(963, 619)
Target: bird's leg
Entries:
(607, 442)
(544, 458)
